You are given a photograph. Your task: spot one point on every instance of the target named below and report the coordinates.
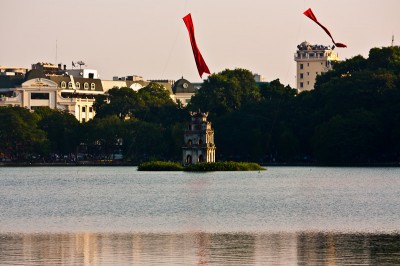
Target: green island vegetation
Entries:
(199, 167)
(160, 166)
(223, 166)
(352, 117)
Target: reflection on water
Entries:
(283, 216)
(200, 249)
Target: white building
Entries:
(72, 90)
(311, 61)
(49, 85)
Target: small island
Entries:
(199, 167)
(198, 152)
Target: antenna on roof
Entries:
(81, 63)
(392, 40)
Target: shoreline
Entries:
(89, 163)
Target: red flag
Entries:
(201, 64)
(311, 15)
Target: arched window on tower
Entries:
(189, 159)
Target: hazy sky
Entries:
(149, 38)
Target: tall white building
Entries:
(312, 60)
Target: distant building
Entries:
(73, 90)
(183, 91)
(50, 86)
(12, 71)
(258, 78)
(311, 61)
(198, 140)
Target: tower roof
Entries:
(183, 86)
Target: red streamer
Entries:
(311, 15)
(200, 63)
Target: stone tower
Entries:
(199, 140)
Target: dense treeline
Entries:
(352, 117)
(135, 126)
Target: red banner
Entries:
(201, 64)
(311, 15)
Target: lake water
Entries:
(119, 216)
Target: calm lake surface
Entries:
(119, 216)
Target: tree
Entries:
(144, 141)
(20, 137)
(350, 139)
(103, 136)
(226, 92)
(62, 130)
(122, 102)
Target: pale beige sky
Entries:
(149, 38)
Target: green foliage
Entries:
(102, 136)
(120, 102)
(352, 117)
(384, 58)
(226, 92)
(144, 141)
(223, 166)
(160, 166)
(199, 167)
(62, 130)
(351, 139)
(20, 137)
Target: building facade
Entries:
(311, 61)
(183, 91)
(72, 90)
(198, 140)
(47, 85)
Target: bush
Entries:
(223, 166)
(160, 166)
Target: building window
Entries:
(301, 66)
(92, 86)
(308, 73)
(301, 85)
(308, 83)
(78, 85)
(40, 96)
(90, 109)
(86, 86)
(308, 64)
(301, 75)
(63, 85)
(69, 85)
(83, 109)
(83, 120)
